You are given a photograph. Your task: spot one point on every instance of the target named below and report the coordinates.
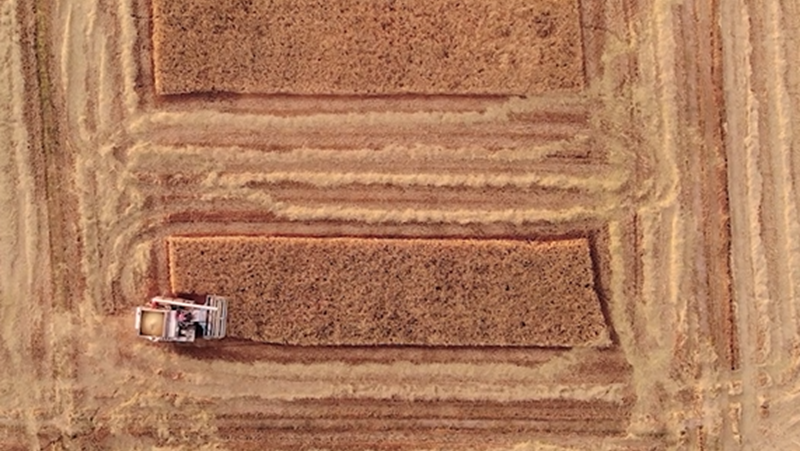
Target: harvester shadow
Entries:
(247, 351)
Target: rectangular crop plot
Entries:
(354, 47)
(371, 291)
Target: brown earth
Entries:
(659, 135)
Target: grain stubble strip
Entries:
(44, 249)
(355, 291)
(418, 423)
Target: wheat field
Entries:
(655, 143)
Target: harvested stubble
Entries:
(371, 291)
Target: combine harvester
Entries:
(182, 320)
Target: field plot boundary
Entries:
(398, 285)
(593, 40)
(309, 48)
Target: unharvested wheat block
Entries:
(370, 291)
(367, 46)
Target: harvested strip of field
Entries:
(367, 47)
(378, 291)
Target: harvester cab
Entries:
(182, 320)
